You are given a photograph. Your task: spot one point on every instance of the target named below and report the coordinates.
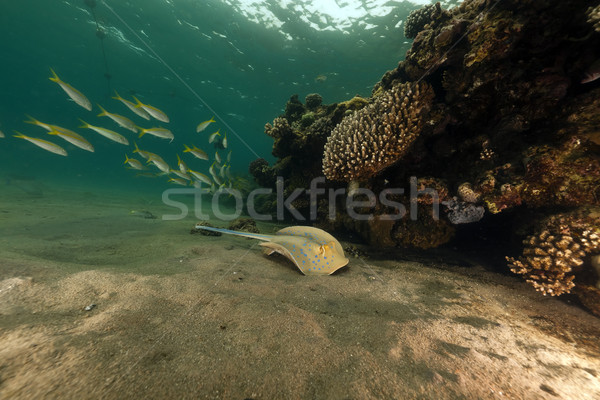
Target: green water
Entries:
(240, 64)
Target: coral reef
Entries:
(417, 19)
(593, 14)
(558, 257)
(313, 101)
(263, 174)
(505, 131)
(370, 140)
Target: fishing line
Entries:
(179, 78)
(100, 34)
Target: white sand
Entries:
(189, 316)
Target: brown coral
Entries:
(280, 128)
(377, 136)
(553, 258)
(593, 14)
(467, 194)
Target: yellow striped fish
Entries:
(44, 144)
(73, 93)
(107, 133)
(153, 111)
(122, 121)
(138, 111)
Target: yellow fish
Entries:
(153, 111)
(63, 133)
(48, 146)
(181, 175)
(107, 133)
(201, 177)
(135, 164)
(196, 152)
(213, 136)
(73, 93)
(224, 142)
(144, 154)
(122, 121)
(73, 138)
(217, 157)
(202, 125)
(159, 163)
(34, 121)
(178, 181)
(182, 166)
(2, 134)
(158, 132)
(138, 111)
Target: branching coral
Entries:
(377, 136)
(593, 14)
(552, 259)
(280, 128)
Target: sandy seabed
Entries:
(192, 317)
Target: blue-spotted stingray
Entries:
(314, 251)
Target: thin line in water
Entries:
(179, 78)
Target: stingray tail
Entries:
(237, 233)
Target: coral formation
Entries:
(512, 134)
(313, 101)
(417, 19)
(263, 174)
(593, 14)
(244, 225)
(554, 259)
(370, 140)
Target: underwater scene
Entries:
(300, 199)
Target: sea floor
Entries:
(188, 316)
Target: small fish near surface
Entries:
(152, 111)
(122, 121)
(44, 144)
(73, 93)
(312, 250)
(140, 112)
(107, 133)
(203, 125)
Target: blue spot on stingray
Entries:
(325, 258)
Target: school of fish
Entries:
(218, 175)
